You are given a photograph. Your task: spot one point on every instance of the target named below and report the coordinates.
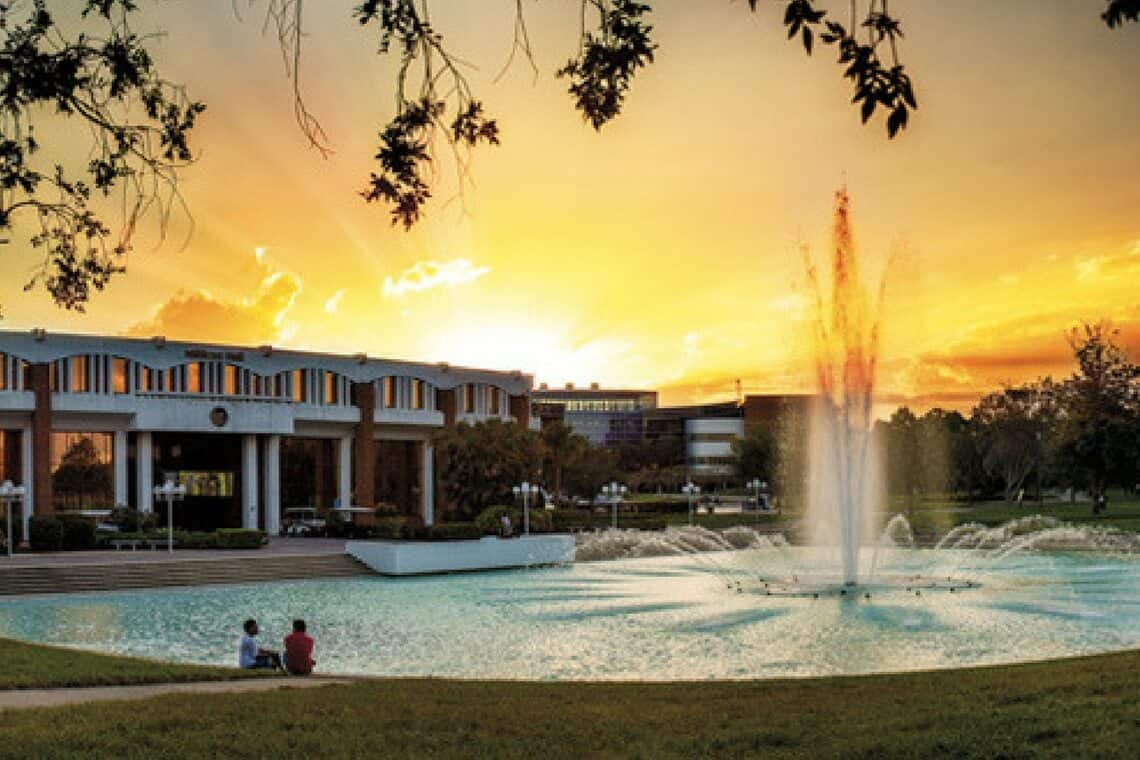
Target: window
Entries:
(194, 377)
(417, 394)
(300, 392)
(79, 380)
(230, 380)
(390, 392)
(3, 371)
(81, 471)
(119, 370)
(468, 398)
(493, 401)
(332, 388)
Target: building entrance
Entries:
(210, 468)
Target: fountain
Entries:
(844, 470)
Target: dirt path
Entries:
(18, 699)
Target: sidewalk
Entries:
(278, 546)
(20, 699)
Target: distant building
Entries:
(609, 417)
(605, 417)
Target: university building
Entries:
(88, 423)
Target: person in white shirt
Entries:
(250, 655)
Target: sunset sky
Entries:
(664, 251)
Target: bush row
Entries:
(67, 532)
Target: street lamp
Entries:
(10, 494)
(692, 490)
(758, 485)
(614, 491)
(526, 490)
(170, 492)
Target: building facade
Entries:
(90, 423)
(605, 417)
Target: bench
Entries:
(134, 543)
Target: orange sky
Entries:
(664, 251)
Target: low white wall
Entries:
(490, 552)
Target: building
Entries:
(605, 417)
(610, 417)
(91, 422)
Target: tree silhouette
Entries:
(101, 79)
(81, 474)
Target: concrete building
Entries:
(91, 422)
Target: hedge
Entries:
(238, 538)
(45, 534)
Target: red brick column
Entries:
(39, 376)
(520, 409)
(364, 445)
(445, 402)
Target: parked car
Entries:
(304, 521)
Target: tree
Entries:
(103, 80)
(480, 463)
(99, 73)
(1099, 432)
(589, 469)
(1011, 426)
(561, 446)
(757, 454)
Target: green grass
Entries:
(943, 515)
(1084, 707)
(33, 666)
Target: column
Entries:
(119, 462)
(344, 471)
(446, 402)
(28, 475)
(41, 439)
(427, 478)
(144, 472)
(520, 409)
(249, 481)
(273, 485)
(364, 396)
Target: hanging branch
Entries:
(102, 83)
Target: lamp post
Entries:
(614, 491)
(170, 492)
(526, 490)
(10, 494)
(759, 486)
(692, 490)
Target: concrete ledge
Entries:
(488, 553)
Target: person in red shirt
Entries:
(299, 650)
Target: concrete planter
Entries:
(487, 553)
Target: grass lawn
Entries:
(32, 666)
(943, 515)
(1084, 707)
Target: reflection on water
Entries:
(650, 618)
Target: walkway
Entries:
(20, 699)
(278, 546)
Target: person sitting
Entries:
(252, 656)
(299, 650)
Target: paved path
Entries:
(278, 546)
(18, 699)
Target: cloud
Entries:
(333, 303)
(424, 275)
(199, 315)
(1123, 264)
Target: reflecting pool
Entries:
(720, 615)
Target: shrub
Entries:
(238, 538)
(77, 532)
(489, 521)
(453, 531)
(45, 534)
(131, 520)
